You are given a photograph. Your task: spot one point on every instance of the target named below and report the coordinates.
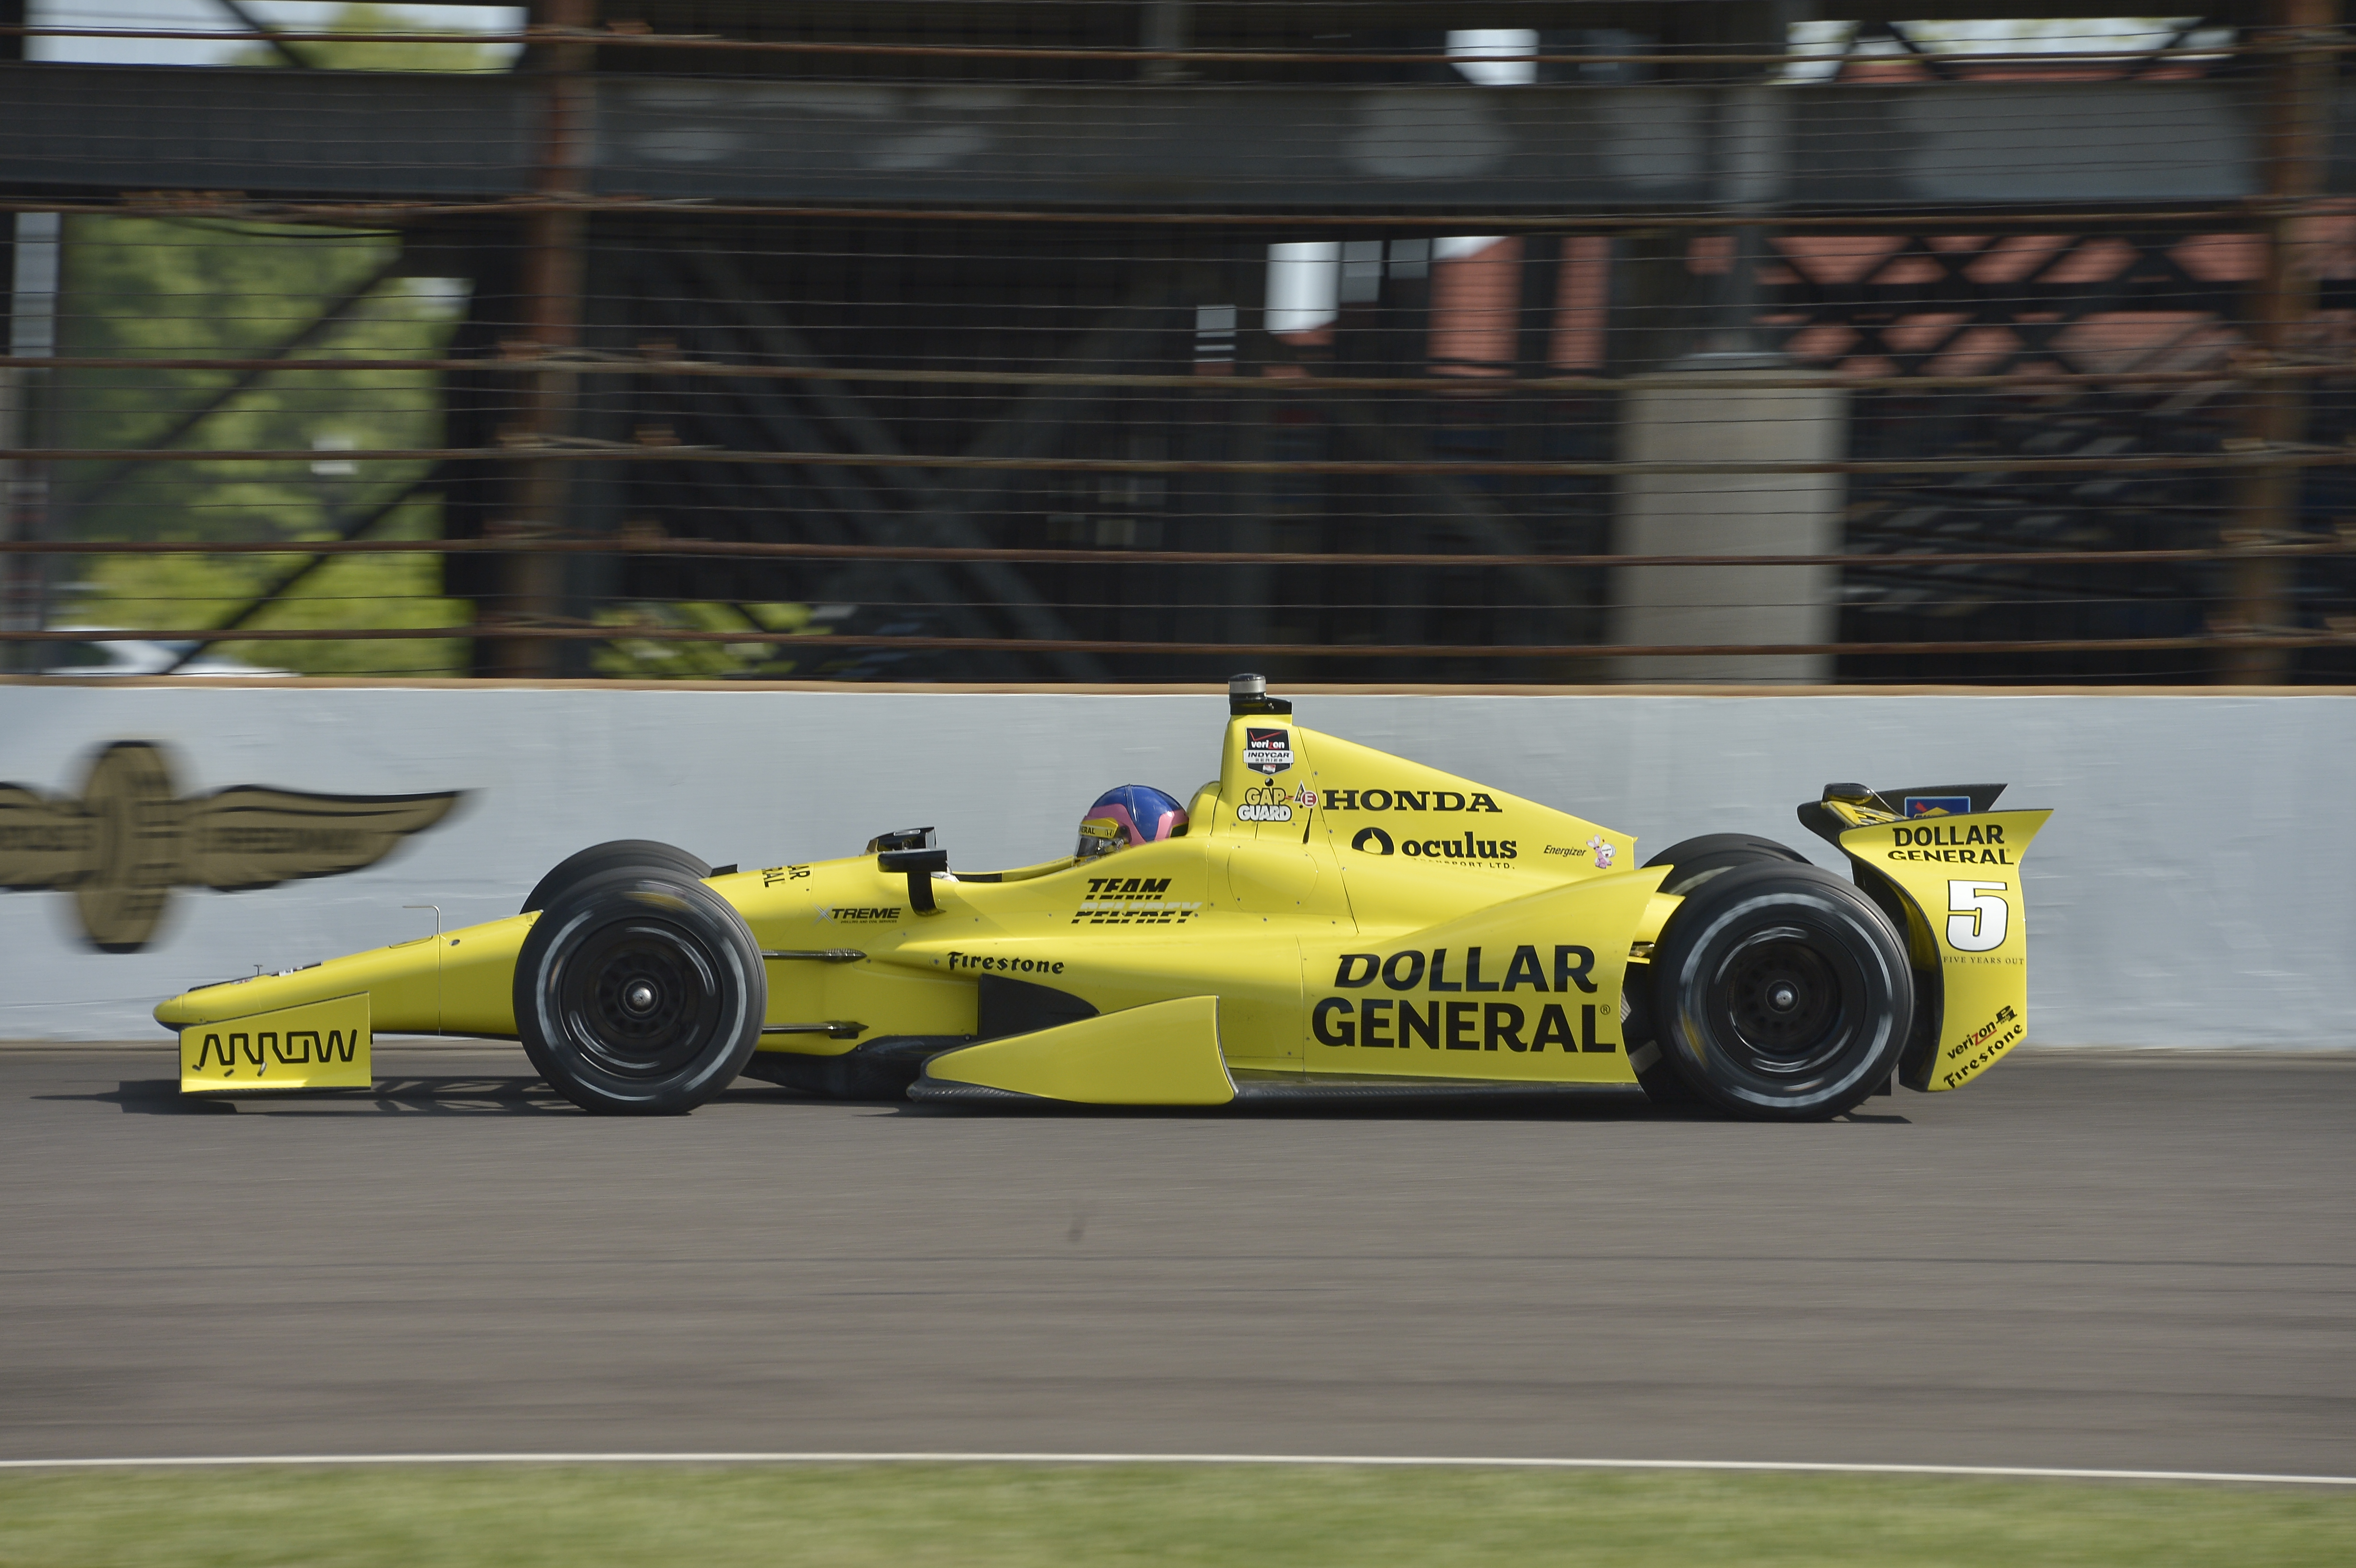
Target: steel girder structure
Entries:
(1212, 170)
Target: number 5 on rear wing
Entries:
(1946, 867)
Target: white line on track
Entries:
(1764, 1466)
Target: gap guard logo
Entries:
(1268, 751)
(1264, 803)
(1935, 805)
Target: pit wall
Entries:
(2183, 895)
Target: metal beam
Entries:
(1406, 148)
(109, 129)
(1663, 145)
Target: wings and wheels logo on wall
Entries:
(130, 839)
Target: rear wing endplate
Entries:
(1951, 879)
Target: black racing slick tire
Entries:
(1697, 860)
(612, 856)
(1692, 862)
(1781, 993)
(640, 992)
(1662, 1087)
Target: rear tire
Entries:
(612, 856)
(1697, 860)
(640, 992)
(1662, 1087)
(1781, 993)
(1693, 861)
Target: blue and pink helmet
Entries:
(1132, 814)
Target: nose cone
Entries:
(187, 1009)
(231, 999)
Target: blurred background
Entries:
(1497, 341)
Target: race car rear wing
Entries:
(1946, 866)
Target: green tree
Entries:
(161, 288)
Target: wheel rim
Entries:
(639, 998)
(1783, 1002)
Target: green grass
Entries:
(976, 1516)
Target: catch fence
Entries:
(1129, 342)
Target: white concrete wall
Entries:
(2196, 887)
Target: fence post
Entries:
(2266, 500)
(28, 295)
(532, 585)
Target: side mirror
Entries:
(920, 865)
(902, 838)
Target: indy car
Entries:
(1321, 917)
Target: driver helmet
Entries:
(1132, 814)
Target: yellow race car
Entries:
(1322, 917)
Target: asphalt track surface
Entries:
(2113, 1263)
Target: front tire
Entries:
(644, 854)
(640, 992)
(1781, 993)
